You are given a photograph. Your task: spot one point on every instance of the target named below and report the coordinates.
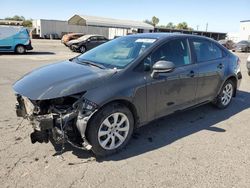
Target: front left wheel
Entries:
(82, 49)
(110, 129)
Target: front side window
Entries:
(117, 53)
(94, 39)
(176, 51)
(206, 50)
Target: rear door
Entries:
(211, 66)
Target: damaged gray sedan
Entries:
(94, 101)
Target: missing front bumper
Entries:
(53, 126)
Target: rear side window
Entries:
(176, 51)
(206, 50)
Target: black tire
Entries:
(218, 102)
(82, 49)
(20, 49)
(96, 122)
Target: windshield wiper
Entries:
(87, 62)
(93, 64)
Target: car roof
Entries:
(166, 35)
(69, 34)
(93, 35)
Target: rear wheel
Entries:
(110, 129)
(226, 94)
(20, 49)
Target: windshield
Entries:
(85, 37)
(117, 53)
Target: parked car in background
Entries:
(229, 44)
(14, 39)
(95, 101)
(51, 36)
(242, 46)
(86, 43)
(70, 36)
(248, 65)
(117, 36)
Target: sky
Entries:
(220, 15)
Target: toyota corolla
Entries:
(95, 101)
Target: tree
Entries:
(182, 25)
(170, 25)
(155, 21)
(148, 22)
(26, 23)
(16, 18)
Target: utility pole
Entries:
(197, 27)
(206, 26)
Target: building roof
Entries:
(107, 22)
(245, 21)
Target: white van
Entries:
(14, 39)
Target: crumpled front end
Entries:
(59, 120)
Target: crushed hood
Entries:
(61, 79)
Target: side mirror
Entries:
(88, 40)
(162, 67)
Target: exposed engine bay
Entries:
(58, 120)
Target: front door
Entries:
(169, 92)
(93, 42)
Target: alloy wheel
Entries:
(113, 131)
(82, 49)
(227, 94)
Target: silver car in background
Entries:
(248, 65)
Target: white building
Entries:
(245, 30)
(90, 25)
(243, 34)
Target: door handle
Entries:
(191, 74)
(220, 66)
